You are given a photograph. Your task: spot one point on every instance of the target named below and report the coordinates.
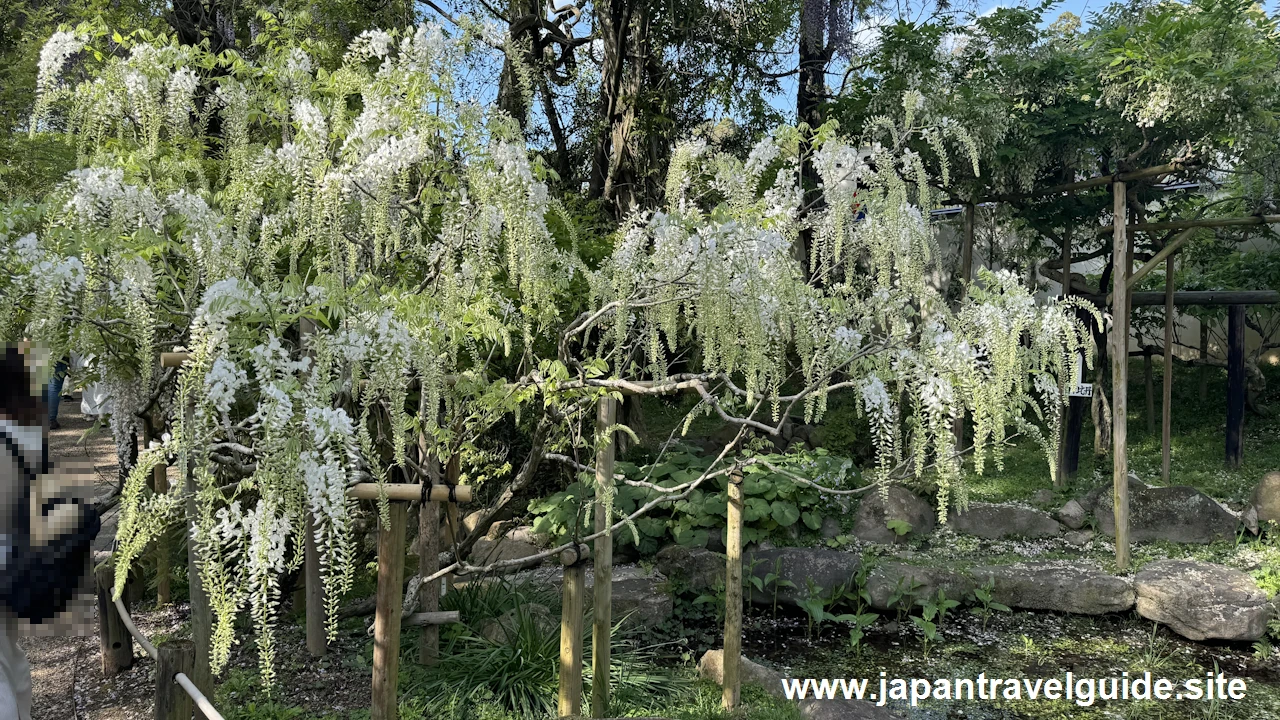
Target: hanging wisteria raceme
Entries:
(351, 256)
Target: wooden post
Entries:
(602, 606)
(164, 593)
(966, 275)
(569, 704)
(172, 702)
(733, 595)
(1068, 445)
(1204, 358)
(113, 636)
(1149, 378)
(201, 612)
(1166, 408)
(428, 564)
(313, 584)
(1235, 386)
(1120, 375)
(386, 622)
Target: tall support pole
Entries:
(386, 622)
(1120, 375)
(1166, 408)
(317, 642)
(164, 594)
(966, 275)
(428, 564)
(569, 700)
(1069, 442)
(1204, 359)
(1148, 374)
(201, 612)
(1235, 386)
(602, 605)
(733, 595)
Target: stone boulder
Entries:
(1043, 496)
(1073, 515)
(489, 551)
(828, 569)
(1176, 514)
(711, 668)
(693, 569)
(1058, 586)
(871, 522)
(990, 521)
(1090, 499)
(504, 627)
(1202, 601)
(1078, 538)
(1266, 498)
(640, 595)
(885, 579)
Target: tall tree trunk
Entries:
(621, 182)
(810, 91)
(613, 22)
(514, 94)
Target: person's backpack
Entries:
(37, 582)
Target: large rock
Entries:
(692, 569)
(1073, 515)
(1202, 601)
(1090, 499)
(504, 627)
(886, 579)
(711, 668)
(997, 521)
(829, 570)
(1176, 514)
(487, 551)
(641, 596)
(1059, 586)
(1266, 498)
(871, 522)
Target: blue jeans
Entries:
(53, 396)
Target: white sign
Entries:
(1082, 390)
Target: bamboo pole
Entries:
(410, 492)
(1244, 221)
(569, 701)
(602, 606)
(1120, 376)
(386, 622)
(172, 701)
(733, 595)
(1064, 437)
(1235, 386)
(317, 640)
(1166, 409)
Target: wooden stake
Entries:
(201, 612)
(1065, 447)
(569, 704)
(172, 702)
(164, 594)
(1166, 409)
(1148, 377)
(1120, 375)
(386, 622)
(1235, 386)
(733, 595)
(428, 564)
(113, 636)
(602, 606)
(1204, 357)
(966, 275)
(317, 641)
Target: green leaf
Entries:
(811, 519)
(754, 508)
(784, 513)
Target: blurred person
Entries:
(47, 528)
(53, 398)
